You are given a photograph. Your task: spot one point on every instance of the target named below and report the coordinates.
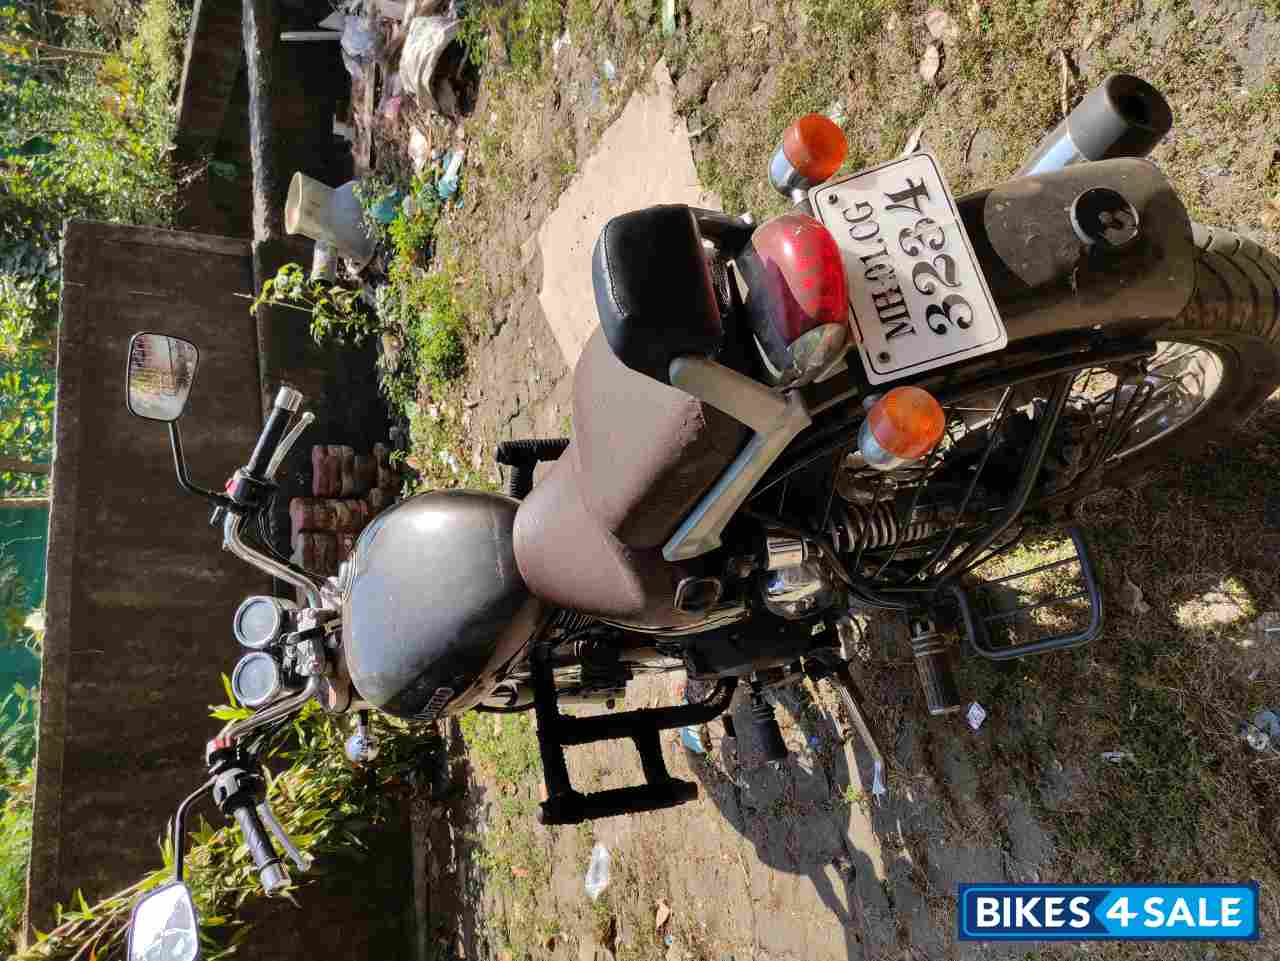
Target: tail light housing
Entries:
(797, 301)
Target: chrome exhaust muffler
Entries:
(1124, 116)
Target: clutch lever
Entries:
(286, 444)
(302, 861)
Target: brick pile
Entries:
(349, 490)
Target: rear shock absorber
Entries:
(871, 526)
(933, 666)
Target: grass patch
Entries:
(503, 746)
(1166, 685)
(516, 861)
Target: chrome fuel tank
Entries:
(435, 608)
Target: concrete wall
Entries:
(139, 595)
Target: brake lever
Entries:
(300, 860)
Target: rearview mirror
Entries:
(164, 927)
(161, 372)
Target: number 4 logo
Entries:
(1120, 912)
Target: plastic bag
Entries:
(419, 150)
(359, 39)
(447, 185)
(598, 871)
(428, 37)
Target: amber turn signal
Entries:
(902, 426)
(815, 146)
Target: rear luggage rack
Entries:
(564, 804)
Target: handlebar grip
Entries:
(287, 401)
(273, 874)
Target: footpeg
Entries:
(933, 665)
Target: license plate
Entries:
(918, 298)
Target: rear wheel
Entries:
(1213, 367)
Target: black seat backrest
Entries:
(653, 289)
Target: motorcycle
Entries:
(851, 407)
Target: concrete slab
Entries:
(641, 160)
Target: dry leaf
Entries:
(913, 141)
(1064, 67)
(1131, 598)
(1271, 213)
(975, 12)
(930, 63)
(892, 23)
(664, 913)
(941, 26)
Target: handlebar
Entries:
(287, 402)
(273, 874)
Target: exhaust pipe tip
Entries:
(1124, 116)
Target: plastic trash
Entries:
(419, 150)
(359, 39)
(610, 71)
(878, 790)
(447, 185)
(423, 47)
(387, 209)
(324, 262)
(975, 715)
(1263, 732)
(1116, 757)
(668, 18)
(597, 872)
(691, 739)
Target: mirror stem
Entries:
(180, 466)
(180, 826)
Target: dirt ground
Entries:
(800, 862)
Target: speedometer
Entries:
(260, 620)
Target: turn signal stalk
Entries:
(901, 427)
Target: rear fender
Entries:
(1047, 280)
(1059, 296)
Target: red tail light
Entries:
(796, 282)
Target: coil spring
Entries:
(872, 526)
(571, 621)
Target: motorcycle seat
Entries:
(589, 536)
